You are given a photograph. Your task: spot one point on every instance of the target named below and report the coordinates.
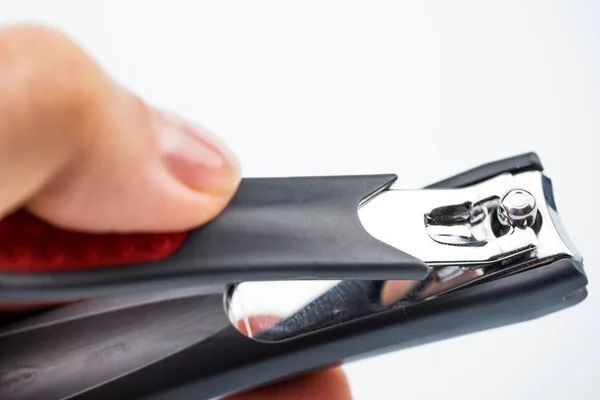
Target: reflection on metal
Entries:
(518, 208)
(467, 236)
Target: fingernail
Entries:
(195, 156)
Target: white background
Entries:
(423, 89)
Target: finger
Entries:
(394, 291)
(330, 384)
(325, 385)
(80, 151)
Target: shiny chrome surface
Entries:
(470, 235)
(518, 208)
(459, 226)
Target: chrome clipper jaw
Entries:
(495, 227)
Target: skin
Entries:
(324, 385)
(81, 152)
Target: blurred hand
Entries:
(81, 152)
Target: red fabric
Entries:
(28, 244)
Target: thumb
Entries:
(81, 152)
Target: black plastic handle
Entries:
(274, 228)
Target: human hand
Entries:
(81, 152)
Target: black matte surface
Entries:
(78, 346)
(516, 164)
